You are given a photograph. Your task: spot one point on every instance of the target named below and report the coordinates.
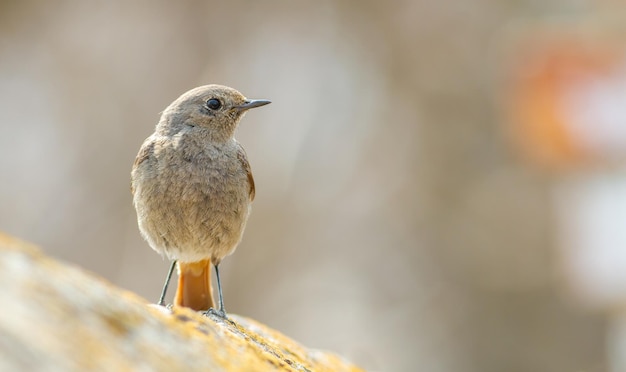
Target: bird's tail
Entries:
(194, 285)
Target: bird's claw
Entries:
(215, 312)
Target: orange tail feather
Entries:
(194, 285)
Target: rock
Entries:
(56, 317)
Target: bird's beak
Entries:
(252, 103)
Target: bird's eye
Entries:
(214, 104)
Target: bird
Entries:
(192, 189)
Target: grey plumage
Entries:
(191, 181)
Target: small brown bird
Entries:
(192, 189)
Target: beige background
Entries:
(393, 222)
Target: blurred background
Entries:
(441, 186)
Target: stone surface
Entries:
(56, 317)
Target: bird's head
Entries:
(216, 108)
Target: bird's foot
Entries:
(167, 306)
(218, 313)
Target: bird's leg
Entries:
(167, 283)
(219, 292)
(220, 312)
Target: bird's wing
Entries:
(145, 151)
(243, 158)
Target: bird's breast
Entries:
(196, 202)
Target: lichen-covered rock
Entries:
(56, 317)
